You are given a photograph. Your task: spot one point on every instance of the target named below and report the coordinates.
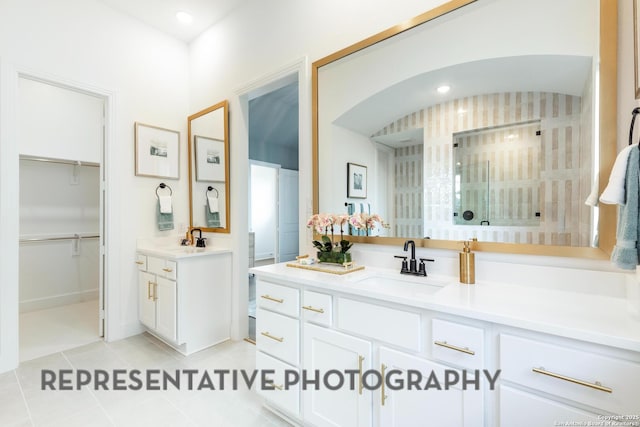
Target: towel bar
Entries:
(209, 188)
(163, 185)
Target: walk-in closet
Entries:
(60, 137)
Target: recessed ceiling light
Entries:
(184, 17)
(443, 89)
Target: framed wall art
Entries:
(157, 151)
(356, 181)
(209, 159)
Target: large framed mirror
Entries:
(209, 169)
(487, 119)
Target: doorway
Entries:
(61, 217)
(273, 123)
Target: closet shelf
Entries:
(61, 161)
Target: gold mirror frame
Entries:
(607, 120)
(227, 203)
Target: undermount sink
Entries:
(416, 285)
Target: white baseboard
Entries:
(57, 300)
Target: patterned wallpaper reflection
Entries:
(424, 173)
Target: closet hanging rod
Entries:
(61, 161)
(46, 239)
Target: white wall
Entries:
(144, 74)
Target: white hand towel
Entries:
(592, 199)
(614, 193)
(213, 204)
(165, 204)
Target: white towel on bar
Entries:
(614, 194)
(213, 204)
(165, 204)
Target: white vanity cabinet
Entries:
(549, 382)
(185, 301)
(310, 330)
(529, 371)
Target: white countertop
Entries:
(179, 252)
(588, 317)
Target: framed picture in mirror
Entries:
(157, 151)
(356, 181)
(209, 159)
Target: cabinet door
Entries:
(405, 408)
(146, 304)
(166, 308)
(326, 350)
(519, 408)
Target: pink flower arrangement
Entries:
(323, 223)
(363, 221)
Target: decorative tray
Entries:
(329, 267)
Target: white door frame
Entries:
(300, 68)
(9, 199)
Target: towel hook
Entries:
(209, 188)
(634, 113)
(163, 185)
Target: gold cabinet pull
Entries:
(139, 262)
(596, 385)
(360, 384)
(268, 335)
(454, 347)
(148, 289)
(278, 300)
(155, 291)
(168, 270)
(310, 308)
(383, 368)
(274, 385)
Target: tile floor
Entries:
(23, 403)
(57, 329)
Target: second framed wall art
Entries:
(356, 181)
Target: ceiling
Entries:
(536, 73)
(161, 14)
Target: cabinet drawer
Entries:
(572, 374)
(162, 267)
(385, 324)
(316, 307)
(518, 408)
(278, 298)
(278, 336)
(458, 344)
(141, 262)
(287, 399)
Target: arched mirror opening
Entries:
(209, 169)
(488, 121)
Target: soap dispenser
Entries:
(467, 264)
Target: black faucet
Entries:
(410, 267)
(412, 261)
(199, 240)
